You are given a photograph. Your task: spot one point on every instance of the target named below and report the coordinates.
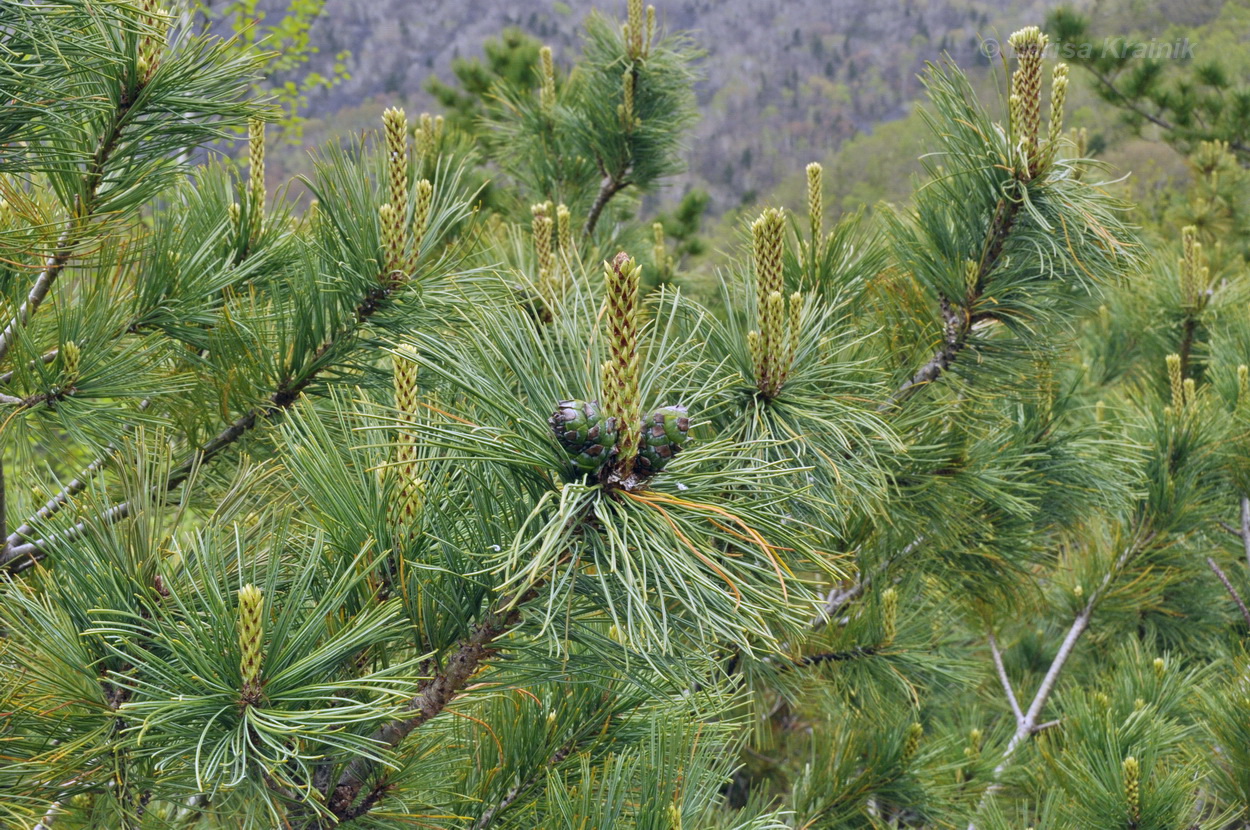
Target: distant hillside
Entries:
(786, 80)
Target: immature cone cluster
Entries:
(664, 433)
(974, 743)
(774, 344)
(547, 92)
(235, 214)
(256, 163)
(889, 615)
(1132, 788)
(659, 251)
(410, 489)
(596, 435)
(251, 636)
(396, 124)
(620, 373)
(1026, 85)
(421, 216)
(69, 354)
(401, 242)
(626, 108)
(815, 213)
(551, 237)
(543, 227)
(392, 224)
(634, 29)
(428, 136)
(1058, 96)
(1243, 387)
(151, 43)
(1212, 157)
(590, 437)
(1195, 273)
(1176, 382)
(912, 744)
(564, 235)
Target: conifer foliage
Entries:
(404, 508)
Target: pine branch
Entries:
(49, 816)
(1219, 572)
(20, 557)
(609, 187)
(53, 505)
(1157, 120)
(1245, 526)
(955, 330)
(837, 656)
(997, 654)
(1029, 725)
(45, 358)
(432, 698)
(84, 207)
(838, 598)
(957, 320)
(520, 788)
(1189, 330)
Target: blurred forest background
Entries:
(783, 82)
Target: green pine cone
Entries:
(585, 433)
(663, 434)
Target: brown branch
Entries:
(608, 188)
(1219, 572)
(839, 597)
(432, 698)
(1189, 330)
(955, 329)
(836, 656)
(957, 321)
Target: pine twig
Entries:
(1029, 725)
(839, 597)
(23, 556)
(1219, 572)
(49, 816)
(54, 505)
(520, 788)
(836, 656)
(957, 320)
(84, 210)
(1157, 120)
(1245, 526)
(997, 654)
(608, 188)
(432, 698)
(45, 358)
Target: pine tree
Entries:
(389, 511)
